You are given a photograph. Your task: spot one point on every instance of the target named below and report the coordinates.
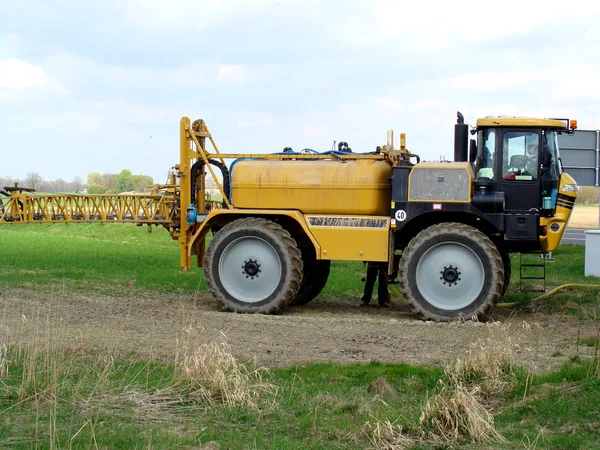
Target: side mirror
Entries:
(472, 151)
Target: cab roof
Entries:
(504, 121)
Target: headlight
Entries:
(570, 188)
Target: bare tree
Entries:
(77, 184)
(7, 182)
(32, 179)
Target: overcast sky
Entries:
(99, 86)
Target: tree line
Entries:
(114, 183)
(34, 180)
(108, 183)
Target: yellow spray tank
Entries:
(360, 187)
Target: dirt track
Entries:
(330, 329)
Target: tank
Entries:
(359, 187)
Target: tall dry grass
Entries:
(208, 372)
(588, 195)
(487, 364)
(584, 217)
(3, 361)
(385, 435)
(68, 388)
(457, 411)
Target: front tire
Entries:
(253, 265)
(449, 271)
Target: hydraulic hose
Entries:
(551, 292)
(224, 171)
(507, 305)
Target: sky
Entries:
(100, 86)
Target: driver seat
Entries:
(517, 162)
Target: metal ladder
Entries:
(533, 271)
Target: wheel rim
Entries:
(450, 276)
(250, 269)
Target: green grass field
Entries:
(115, 259)
(80, 401)
(50, 398)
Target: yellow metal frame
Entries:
(564, 209)
(69, 208)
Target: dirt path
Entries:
(330, 329)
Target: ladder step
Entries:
(538, 268)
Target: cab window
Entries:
(486, 148)
(520, 158)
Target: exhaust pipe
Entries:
(461, 139)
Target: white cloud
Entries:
(16, 74)
(71, 122)
(75, 69)
(8, 46)
(430, 104)
(569, 82)
(316, 131)
(197, 14)
(267, 121)
(388, 104)
(241, 75)
(433, 24)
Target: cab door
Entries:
(520, 182)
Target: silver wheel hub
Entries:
(450, 275)
(250, 269)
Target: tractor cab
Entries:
(519, 158)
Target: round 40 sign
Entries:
(400, 215)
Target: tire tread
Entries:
(294, 266)
(420, 239)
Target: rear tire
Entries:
(253, 265)
(316, 273)
(450, 271)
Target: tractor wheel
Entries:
(507, 271)
(253, 265)
(316, 273)
(449, 271)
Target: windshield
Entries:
(552, 170)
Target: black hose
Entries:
(198, 165)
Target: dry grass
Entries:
(385, 435)
(584, 217)
(487, 364)
(158, 406)
(208, 372)
(3, 361)
(588, 195)
(382, 388)
(455, 414)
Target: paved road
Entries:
(574, 236)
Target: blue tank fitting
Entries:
(191, 212)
